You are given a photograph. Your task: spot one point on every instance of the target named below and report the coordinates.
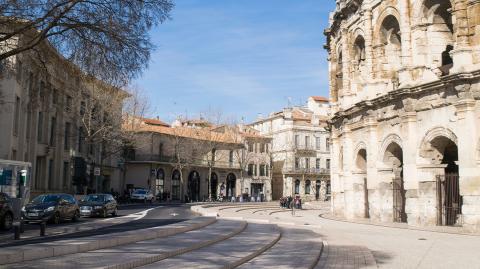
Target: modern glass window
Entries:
(297, 186)
(307, 186)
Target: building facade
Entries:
(300, 150)
(41, 123)
(404, 88)
(192, 163)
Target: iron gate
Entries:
(399, 214)
(449, 200)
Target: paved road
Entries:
(157, 215)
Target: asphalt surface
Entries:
(159, 215)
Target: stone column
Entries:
(462, 54)
(336, 181)
(409, 131)
(372, 173)
(349, 182)
(368, 43)
(345, 63)
(469, 170)
(404, 72)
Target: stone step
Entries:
(230, 253)
(143, 252)
(298, 248)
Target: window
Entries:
(68, 103)
(307, 186)
(82, 108)
(16, 118)
(14, 155)
(255, 170)
(214, 154)
(55, 96)
(262, 147)
(317, 163)
(262, 170)
(66, 141)
(296, 140)
(318, 142)
(50, 175)
(327, 144)
(159, 183)
(250, 147)
(250, 169)
(267, 171)
(328, 164)
(307, 141)
(297, 186)
(230, 157)
(297, 163)
(80, 139)
(307, 163)
(40, 127)
(53, 130)
(66, 173)
(160, 150)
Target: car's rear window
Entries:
(140, 192)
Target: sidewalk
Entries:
(391, 247)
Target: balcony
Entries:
(309, 150)
(306, 171)
(191, 162)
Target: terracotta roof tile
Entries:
(320, 99)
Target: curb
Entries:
(55, 248)
(256, 253)
(159, 257)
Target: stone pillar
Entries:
(346, 65)
(469, 170)
(368, 44)
(409, 131)
(427, 213)
(336, 181)
(405, 72)
(372, 172)
(349, 180)
(462, 53)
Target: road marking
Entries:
(138, 215)
(174, 214)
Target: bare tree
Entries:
(106, 39)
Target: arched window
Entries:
(359, 58)
(160, 183)
(176, 185)
(390, 46)
(307, 186)
(297, 186)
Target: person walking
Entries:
(292, 205)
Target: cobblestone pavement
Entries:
(352, 245)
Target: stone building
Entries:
(41, 123)
(404, 88)
(176, 161)
(300, 150)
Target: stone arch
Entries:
(389, 139)
(387, 45)
(431, 148)
(360, 157)
(388, 11)
(435, 34)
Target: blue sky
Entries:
(239, 57)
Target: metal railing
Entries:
(193, 162)
(300, 170)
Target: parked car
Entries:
(142, 195)
(52, 208)
(6, 212)
(98, 205)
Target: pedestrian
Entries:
(292, 205)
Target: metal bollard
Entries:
(42, 228)
(16, 231)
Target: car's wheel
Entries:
(115, 212)
(7, 221)
(76, 216)
(56, 218)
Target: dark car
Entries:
(6, 212)
(51, 207)
(98, 205)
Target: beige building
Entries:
(404, 87)
(300, 150)
(176, 161)
(40, 123)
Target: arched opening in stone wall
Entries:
(176, 185)
(390, 48)
(393, 158)
(359, 59)
(194, 186)
(214, 186)
(231, 184)
(436, 15)
(449, 201)
(361, 163)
